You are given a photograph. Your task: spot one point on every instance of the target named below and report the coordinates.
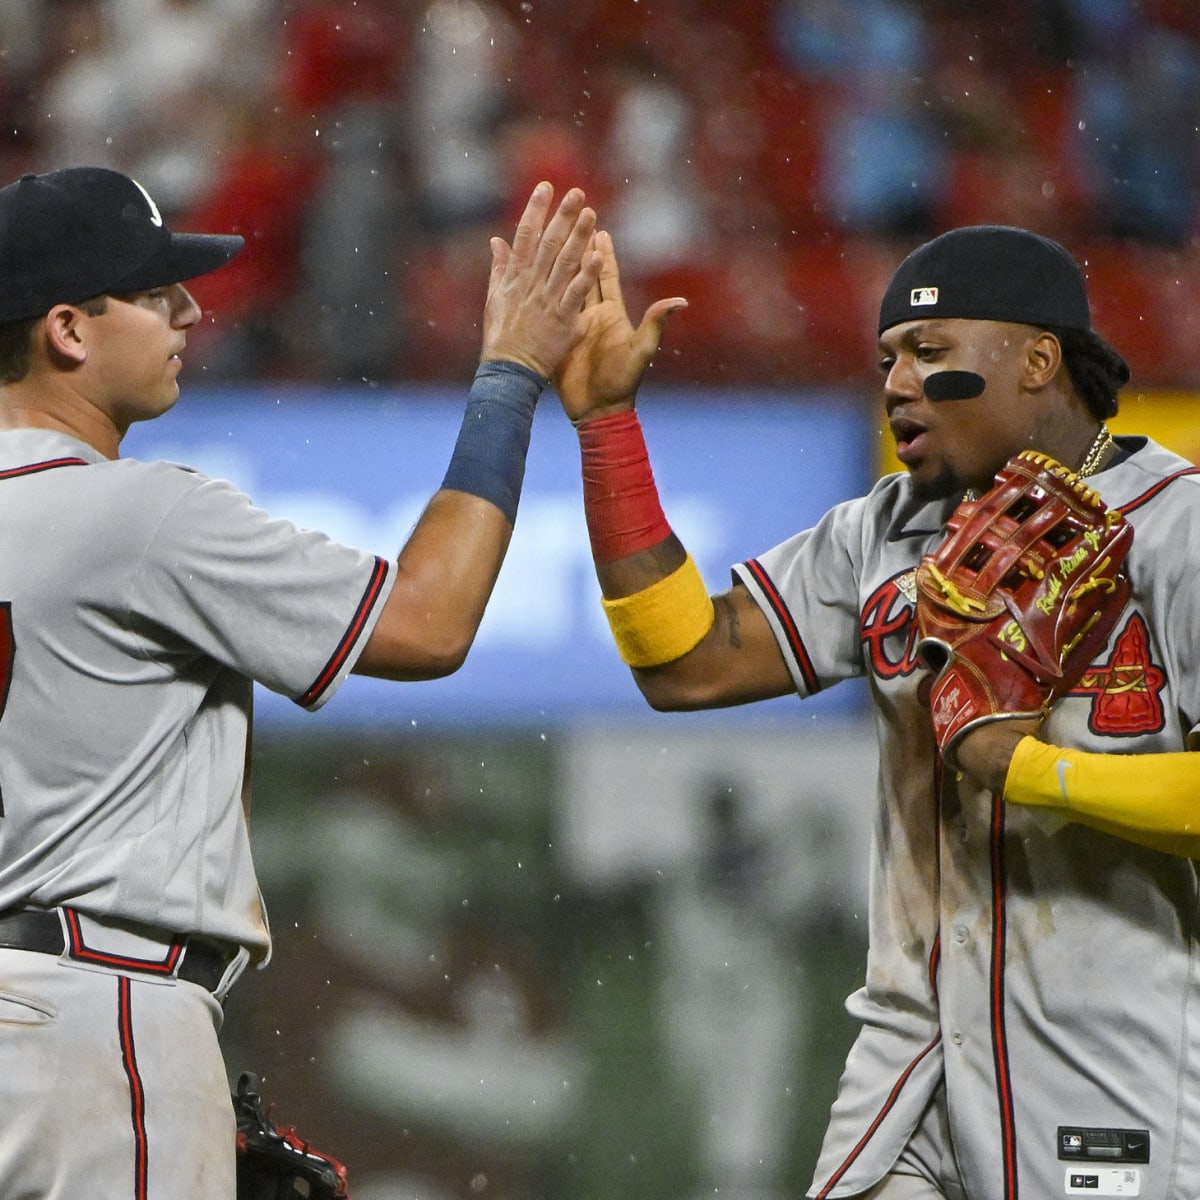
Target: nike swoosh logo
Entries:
(1062, 767)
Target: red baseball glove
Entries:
(1020, 597)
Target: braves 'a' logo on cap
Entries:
(922, 296)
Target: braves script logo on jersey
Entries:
(889, 628)
(1126, 691)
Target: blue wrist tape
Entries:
(489, 456)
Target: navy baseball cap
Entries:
(989, 273)
(69, 235)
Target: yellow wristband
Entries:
(1151, 799)
(664, 621)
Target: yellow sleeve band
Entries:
(1151, 799)
(664, 621)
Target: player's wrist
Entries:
(509, 364)
(985, 751)
(620, 497)
(602, 412)
(489, 456)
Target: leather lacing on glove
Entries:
(1020, 596)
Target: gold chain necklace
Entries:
(1095, 455)
(1091, 461)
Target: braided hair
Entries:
(1096, 369)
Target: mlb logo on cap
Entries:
(925, 295)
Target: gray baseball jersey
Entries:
(1049, 973)
(138, 602)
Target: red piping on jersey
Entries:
(935, 958)
(48, 465)
(119, 962)
(1004, 1095)
(888, 1104)
(1149, 495)
(137, 1093)
(935, 953)
(779, 608)
(331, 668)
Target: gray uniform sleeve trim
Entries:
(330, 671)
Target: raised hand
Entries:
(538, 285)
(602, 370)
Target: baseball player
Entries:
(1030, 1011)
(138, 604)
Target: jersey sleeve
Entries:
(288, 607)
(808, 589)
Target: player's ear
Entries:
(1043, 360)
(62, 328)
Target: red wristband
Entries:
(620, 499)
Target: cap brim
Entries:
(185, 257)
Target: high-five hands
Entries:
(602, 370)
(538, 285)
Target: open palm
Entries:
(602, 370)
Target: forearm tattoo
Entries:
(728, 621)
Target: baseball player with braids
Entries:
(138, 604)
(1023, 600)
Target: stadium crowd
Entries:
(770, 159)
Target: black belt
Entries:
(204, 961)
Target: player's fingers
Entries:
(500, 257)
(584, 283)
(564, 232)
(527, 240)
(594, 295)
(610, 271)
(571, 259)
(649, 333)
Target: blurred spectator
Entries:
(458, 95)
(655, 211)
(344, 81)
(22, 34)
(262, 188)
(350, 260)
(830, 38)
(183, 65)
(338, 53)
(443, 286)
(368, 148)
(537, 147)
(1137, 96)
(146, 86)
(883, 164)
(21, 30)
(1013, 154)
(84, 111)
